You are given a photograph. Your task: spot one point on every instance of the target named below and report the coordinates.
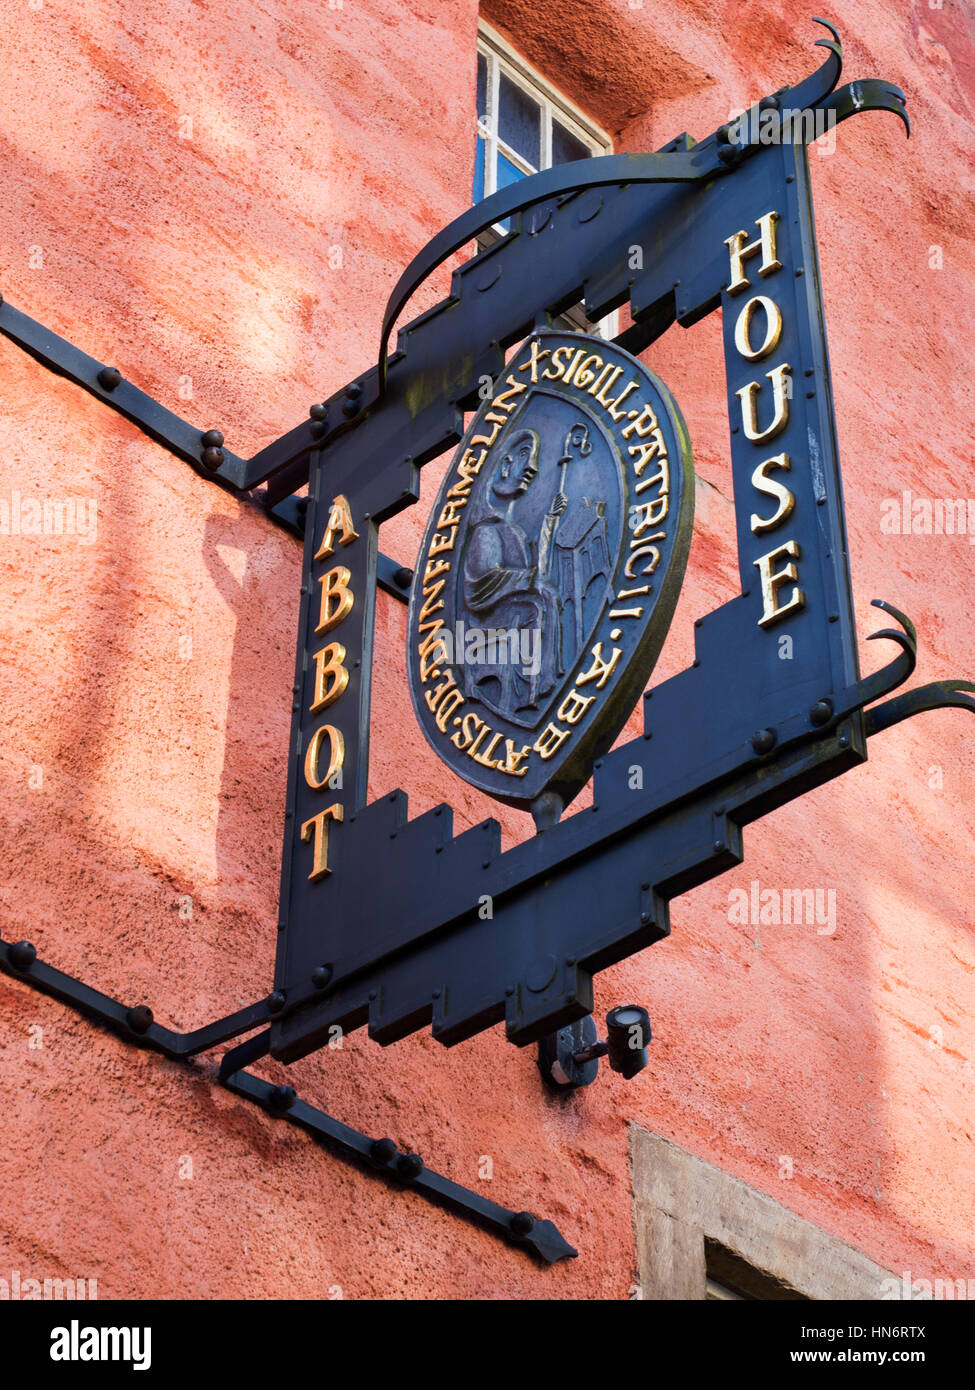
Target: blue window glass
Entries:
(519, 121)
(508, 173)
(479, 171)
(565, 146)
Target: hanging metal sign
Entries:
(549, 571)
(563, 525)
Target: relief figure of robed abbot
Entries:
(549, 575)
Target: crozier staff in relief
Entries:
(573, 553)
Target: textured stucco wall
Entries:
(176, 182)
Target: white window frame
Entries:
(501, 57)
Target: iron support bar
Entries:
(186, 441)
(540, 1238)
(136, 1025)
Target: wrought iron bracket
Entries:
(381, 1157)
(540, 1238)
(952, 694)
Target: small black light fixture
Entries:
(569, 1058)
(628, 1029)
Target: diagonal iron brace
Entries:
(540, 1238)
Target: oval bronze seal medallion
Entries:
(550, 569)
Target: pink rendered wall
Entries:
(176, 183)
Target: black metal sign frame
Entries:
(414, 945)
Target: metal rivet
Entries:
(382, 1150)
(644, 917)
(844, 742)
(719, 844)
(764, 741)
(821, 712)
(350, 407)
(768, 104)
(212, 458)
(436, 994)
(22, 955)
(522, 1223)
(790, 178)
(403, 577)
(213, 439)
(109, 378)
(139, 1019)
(321, 975)
(800, 273)
(409, 1165)
(283, 1097)
(353, 391)
(275, 1002)
(372, 994)
(317, 412)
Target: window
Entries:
(731, 1277)
(702, 1234)
(523, 125)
